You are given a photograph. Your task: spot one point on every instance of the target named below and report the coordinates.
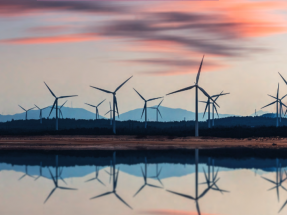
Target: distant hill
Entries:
(259, 113)
(168, 114)
(270, 115)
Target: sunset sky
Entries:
(74, 44)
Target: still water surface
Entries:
(205, 186)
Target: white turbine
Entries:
(111, 117)
(56, 103)
(157, 110)
(115, 104)
(145, 106)
(196, 96)
(97, 110)
(26, 111)
(41, 112)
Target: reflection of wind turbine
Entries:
(97, 110)
(111, 117)
(157, 111)
(55, 180)
(279, 179)
(280, 104)
(145, 179)
(40, 173)
(56, 103)
(196, 96)
(276, 101)
(115, 183)
(111, 171)
(211, 177)
(26, 111)
(197, 197)
(157, 174)
(40, 116)
(26, 173)
(145, 106)
(96, 177)
(115, 104)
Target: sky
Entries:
(72, 45)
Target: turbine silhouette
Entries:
(145, 106)
(56, 103)
(157, 110)
(196, 96)
(97, 110)
(115, 104)
(40, 116)
(26, 111)
(96, 176)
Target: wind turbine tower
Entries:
(26, 111)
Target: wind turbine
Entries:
(158, 171)
(97, 111)
(55, 180)
(40, 116)
(278, 182)
(111, 171)
(96, 177)
(115, 183)
(280, 104)
(115, 104)
(60, 111)
(208, 103)
(40, 173)
(26, 111)
(56, 103)
(276, 101)
(145, 179)
(196, 96)
(157, 110)
(145, 106)
(197, 197)
(110, 111)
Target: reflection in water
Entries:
(115, 182)
(55, 180)
(157, 174)
(210, 184)
(212, 180)
(144, 173)
(96, 177)
(26, 174)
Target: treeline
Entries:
(231, 127)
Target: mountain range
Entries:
(168, 114)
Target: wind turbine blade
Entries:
(22, 107)
(50, 195)
(67, 188)
(106, 91)
(22, 177)
(110, 106)
(203, 102)
(61, 97)
(180, 194)
(92, 179)
(184, 89)
(37, 107)
(143, 110)
(139, 94)
(283, 78)
(151, 185)
(117, 106)
(90, 105)
(221, 94)
(50, 90)
(107, 112)
(197, 208)
(104, 194)
(123, 84)
(122, 200)
(154, 99)
(206, 94)
(31, 108)
(63, 104)
(100, 103)
(199, 70)
(205, 109)
(139, 190)
(269, 104)
(52, 107)
(160, 103)
(152, 107)
(101, 182)
(52, 177)
(159, 113)
(272, 96)
(278, 91)
(283, 204)
(283, 97)
(268, 180)
(45, 108)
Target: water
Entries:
(137, 184)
